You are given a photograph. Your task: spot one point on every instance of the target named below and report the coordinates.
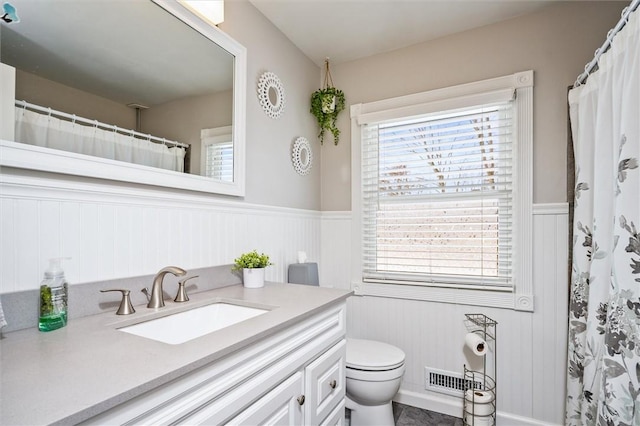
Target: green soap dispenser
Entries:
(53, 297)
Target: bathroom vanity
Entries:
(286, 366)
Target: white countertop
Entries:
(71, 374)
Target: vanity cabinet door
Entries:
(315, 393)
(336, 418)
(325, 384)
(281, 406)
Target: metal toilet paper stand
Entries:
(479, 406)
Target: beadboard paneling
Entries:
(531, 349)
(550, 322)
(335, 246)
(113, 234)
(110, 234)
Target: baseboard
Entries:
(431, 402)
(453, 407)
(508, 419)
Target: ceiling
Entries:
(344, 30)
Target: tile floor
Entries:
(405, 415)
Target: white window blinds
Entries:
(217, 153)
(219, 161)
(437, 197)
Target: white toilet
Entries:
(374, 369)
(374, 373)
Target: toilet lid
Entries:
(373, 356)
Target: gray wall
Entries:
(182, 120)
(271, 179)
(555, 42)
(41, 91)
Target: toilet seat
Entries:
(375, 376)
(369, 355)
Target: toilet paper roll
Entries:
(479, 402)
(478, 421)
(476, 343)
(302, 257)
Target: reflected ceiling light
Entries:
(210, 10)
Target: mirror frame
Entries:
(268, 81)
(24, 156)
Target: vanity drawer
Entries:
(325, 384)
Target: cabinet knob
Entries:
(301, 400)
(333, 384)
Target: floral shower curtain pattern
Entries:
(603, 371)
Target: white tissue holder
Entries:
(479, 400)
(303, 273)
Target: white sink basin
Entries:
(188, 325)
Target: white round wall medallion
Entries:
(271, 94)
(302, 156)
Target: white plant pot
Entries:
(328, 104)
(253, 277)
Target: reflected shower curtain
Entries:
(603, 371)
(51, 132)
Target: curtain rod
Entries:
(607, 43)
(74, 118)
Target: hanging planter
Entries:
(326, 104)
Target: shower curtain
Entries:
(603, 371)
(51, 132)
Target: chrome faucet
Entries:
(157, 300)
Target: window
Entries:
(437, 203)
(439, 194)
(217, 154)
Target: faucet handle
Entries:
(146, 293)
(182, 292)
(125, 307)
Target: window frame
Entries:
(520, 295)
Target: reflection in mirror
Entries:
(273, 95)
(125, 81)
(304, 157)
(217, 154)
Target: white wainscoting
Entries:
(111, 231)
(335, 250)
(531, 348)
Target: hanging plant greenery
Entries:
(326, 104)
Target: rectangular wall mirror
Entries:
(144, 91)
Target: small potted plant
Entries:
(252, 265)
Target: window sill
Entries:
(507, 299)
